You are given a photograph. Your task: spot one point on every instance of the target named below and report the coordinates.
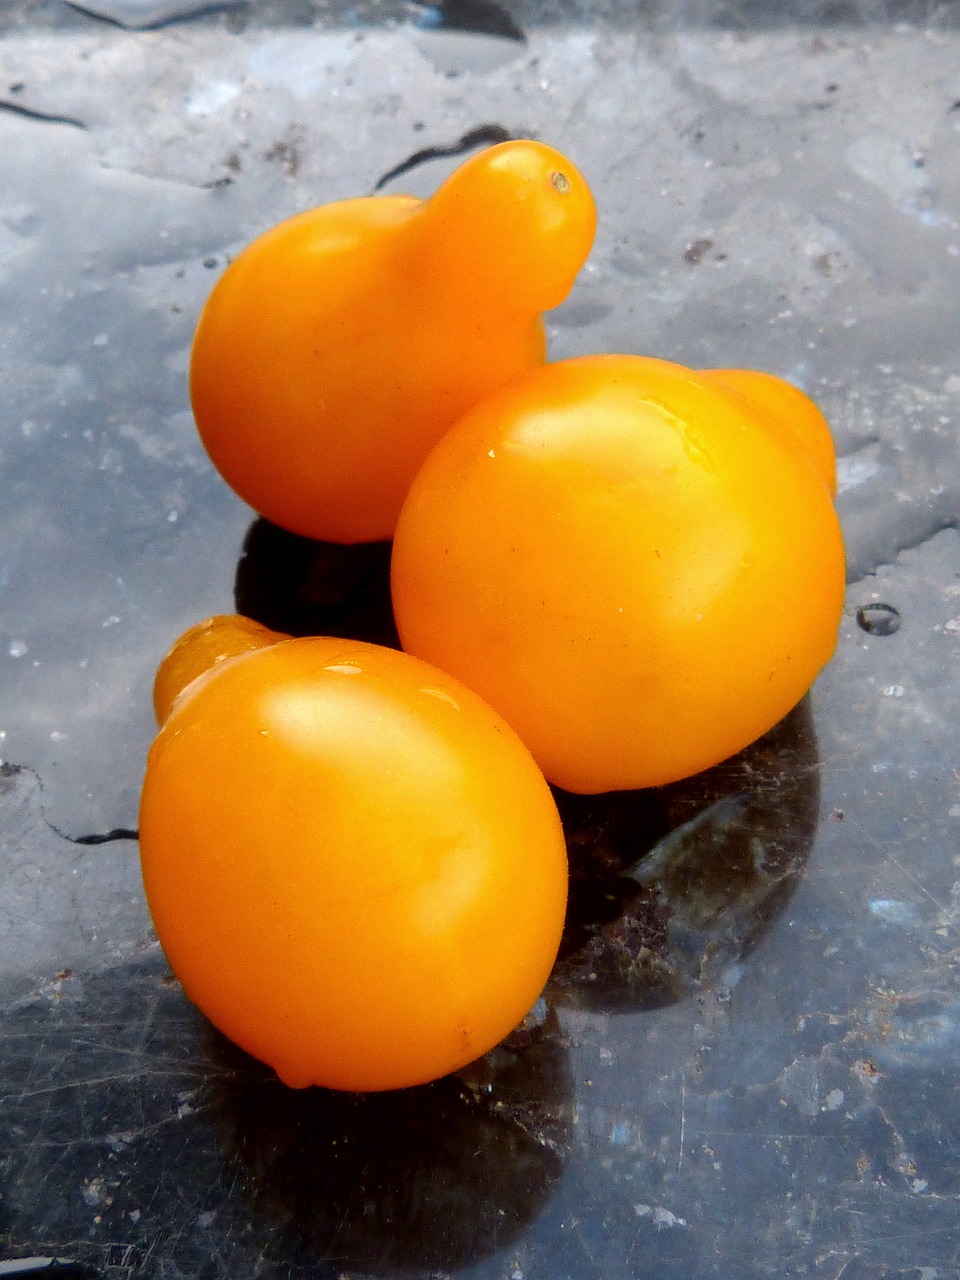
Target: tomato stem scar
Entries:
(561, 182)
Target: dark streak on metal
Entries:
(46, 117)
(8, 770)
(105, 837)
(484, 135)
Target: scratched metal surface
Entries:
(746, 1062)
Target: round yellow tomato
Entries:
(640, 570)
(353, 865)
(339, 346)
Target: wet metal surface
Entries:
(746, 1062)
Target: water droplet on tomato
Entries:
(443, 697)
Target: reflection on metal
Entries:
(672, 888)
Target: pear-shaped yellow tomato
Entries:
(353, 865)
(639, 568)
(339, 346)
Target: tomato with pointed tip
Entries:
(201, 648)
(639, 566)
(353, 865)
(338, 347)
(785, 408)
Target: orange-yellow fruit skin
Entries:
(635, 566)
(353, 865)
(338, 347)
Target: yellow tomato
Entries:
(641, 570)
(339, 346)
(353, 865)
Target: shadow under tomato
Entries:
(429, 1178)
(669, 887)
(306, 588)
